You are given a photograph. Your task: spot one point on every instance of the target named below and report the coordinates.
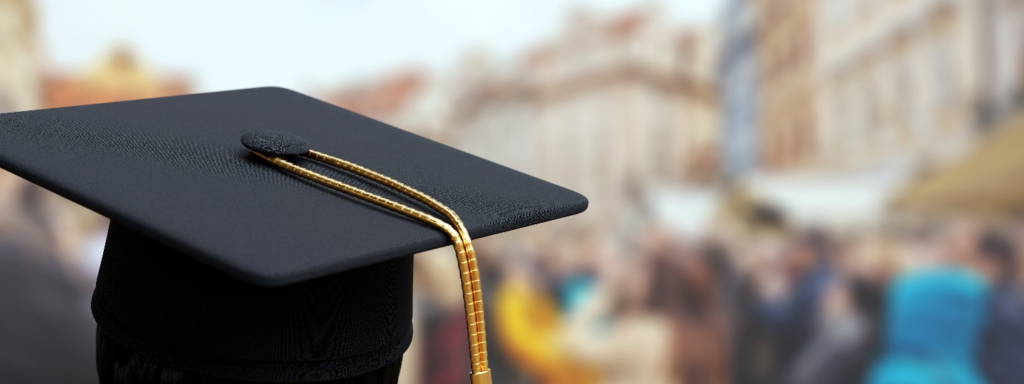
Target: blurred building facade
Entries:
(787, 86)
(738, 89)
(19, 90)
(608, 108)
(898, 78)
(1003, 39)
(19, 60)
(413, 99)
(118, 76)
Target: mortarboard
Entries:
(248, 241)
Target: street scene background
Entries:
(781, 191)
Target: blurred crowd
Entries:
(924, 303)
(939, 304)
(49, 254)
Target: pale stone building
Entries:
(1004, 77)
(787, 89)
(906, 80)
(611, 108)
(29, 215)
(19, 90)
(19, 60)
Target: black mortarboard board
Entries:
(174, 179)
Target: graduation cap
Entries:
(266, 236)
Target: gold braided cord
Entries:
(469, 274)
(474, 271)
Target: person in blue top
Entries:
(933, 328)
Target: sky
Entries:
(309, 45)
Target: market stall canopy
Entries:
(855, 198)
(688, 212)
(988, 181)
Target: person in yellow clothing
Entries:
(529, 328)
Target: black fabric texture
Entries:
(119, 365)
(275, 143)
(173, 169)
(181, 313)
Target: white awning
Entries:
(849, 199)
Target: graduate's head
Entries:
(161, 315)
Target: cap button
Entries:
(275, 143)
